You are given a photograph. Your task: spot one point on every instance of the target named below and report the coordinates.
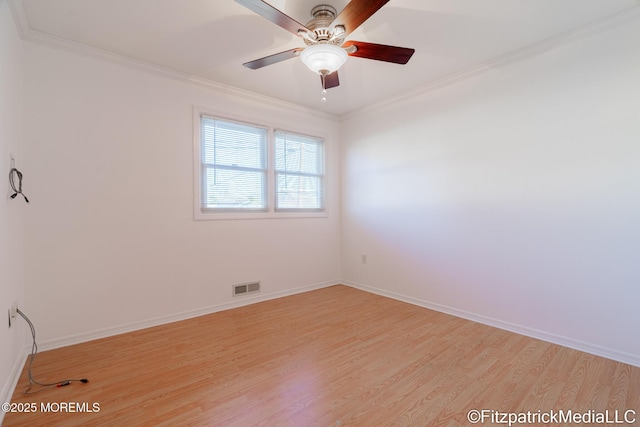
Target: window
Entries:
(251, 171)
(234, 165)
(298, 171)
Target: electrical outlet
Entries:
(13, 312)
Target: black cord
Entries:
(34, 350)
(17, 190)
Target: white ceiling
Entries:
(210, 39)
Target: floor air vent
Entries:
(246, 288)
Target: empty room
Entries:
(320, 212)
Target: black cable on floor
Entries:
(34, 350)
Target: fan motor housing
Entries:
(322, 17)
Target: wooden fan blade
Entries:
(356, 12)
(272, 59)
(272, 14)
(331, 80)
(380, 52)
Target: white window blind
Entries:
(234, 165)
(299, 172)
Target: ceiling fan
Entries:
(325, 35)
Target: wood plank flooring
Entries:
(332, 357)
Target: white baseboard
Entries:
(129, 327)
(619, 356)
(7, 389)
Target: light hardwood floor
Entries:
(332, 357)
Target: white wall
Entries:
(512, 198)
(12, 212)
(111, 240)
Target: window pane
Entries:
(297, 153)
(233, 144)
(299, 192)
(299, 175)
(234, 189)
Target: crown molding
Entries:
(30, 35)
(579, 33)
(19, 15)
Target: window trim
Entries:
(270, 212)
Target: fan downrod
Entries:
(324, 11)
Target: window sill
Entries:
(227, 216)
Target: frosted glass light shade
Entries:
(323, 58)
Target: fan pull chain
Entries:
(324, 88)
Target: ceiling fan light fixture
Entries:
(323, 58)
